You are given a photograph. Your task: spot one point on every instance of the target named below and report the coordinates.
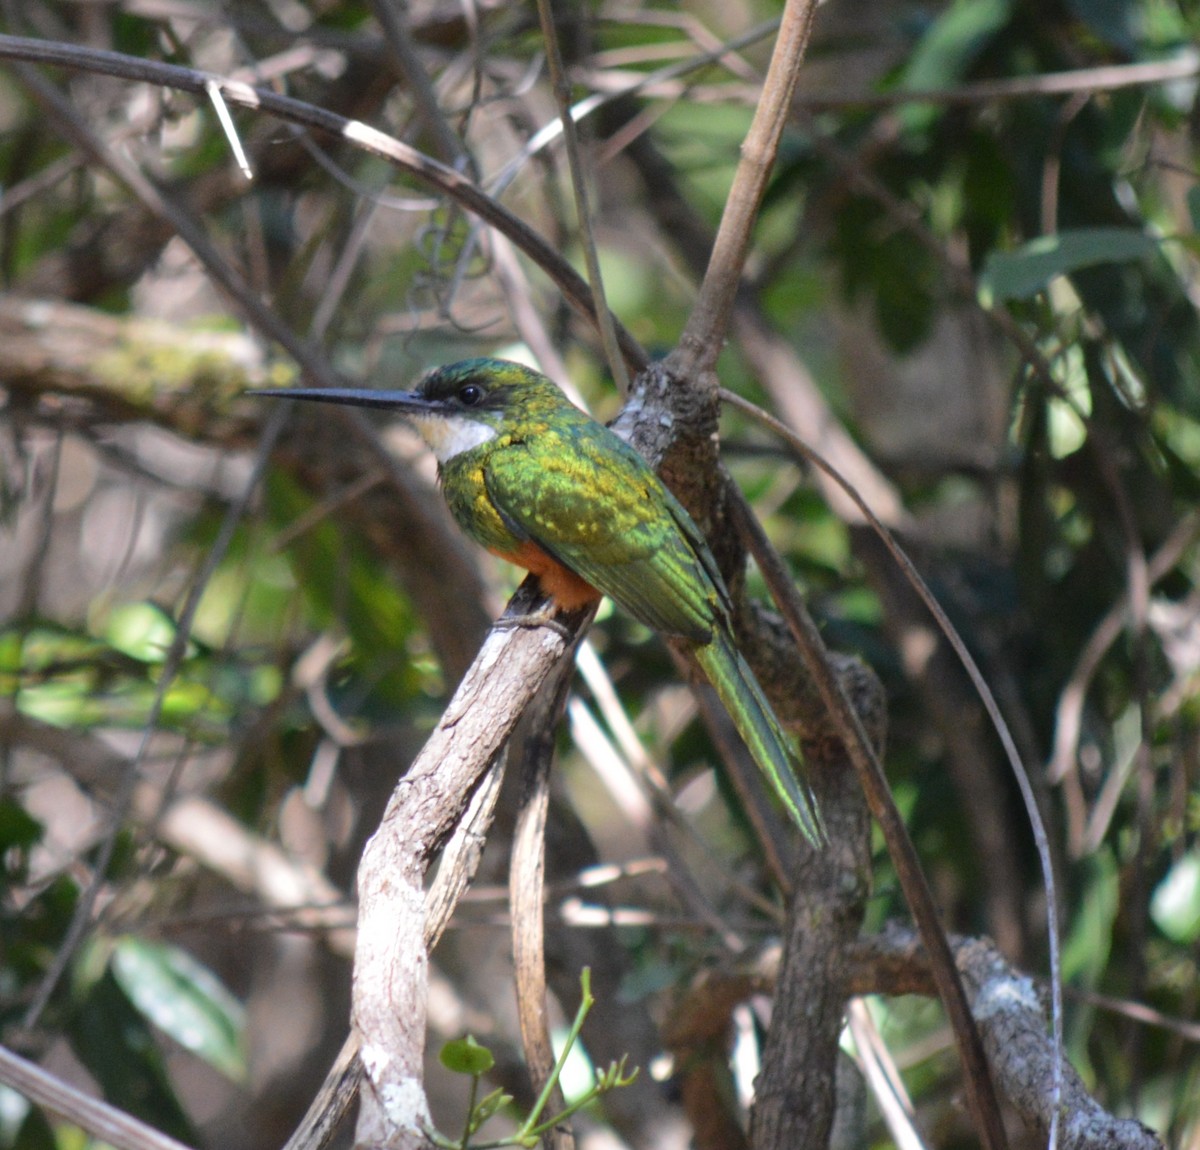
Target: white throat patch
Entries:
(449, 436)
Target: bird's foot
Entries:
(544, 616)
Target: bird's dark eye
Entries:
(470, 394)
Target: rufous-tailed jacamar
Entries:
(540, 483)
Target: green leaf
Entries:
(1175, 905)
(184, 1000)
(44, 647)
(143, 631)
(116, 1046)
(1193, 205)
(19, 830)
(953, 41)
(466, 1056)
(1023, 273)
(1086, 948)
(487, 1106)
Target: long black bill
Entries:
(353, 396)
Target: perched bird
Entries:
(543, 485)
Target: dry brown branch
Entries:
(700, 343)
(527, 891)
(864, 758)
(391, 967)
(795, 1093)
(105, 1122)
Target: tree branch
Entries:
(695, 356)
(106, 1122)
(430, 172)
(391, 969)
(1012, 1023)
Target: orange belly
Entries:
(567, 589)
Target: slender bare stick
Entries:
(579, 186)
(704, 336)
(527, 878)
(106, 1122)
(433, 174)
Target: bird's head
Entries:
(457, 407)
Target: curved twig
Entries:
(429, 171)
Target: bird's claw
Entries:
(543, 617)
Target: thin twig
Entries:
(1107, 78)
(527, 878)
(105, 1122)
(663, 85)
(33, 576)
(579, 186)
(227, 126)
(435, 175)
(704, 334)
(1069, 713)
(883, 1078)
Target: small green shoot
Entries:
(466, 1056)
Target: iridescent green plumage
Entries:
(535, 480)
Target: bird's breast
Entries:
(466, 492)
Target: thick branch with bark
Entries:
(1007, 1005)
(391, 967)
(1012, 1021)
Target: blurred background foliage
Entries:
(214, 664)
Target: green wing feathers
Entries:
(590, 501)
(743, 698)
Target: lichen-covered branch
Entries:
(1011, 1017)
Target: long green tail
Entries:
(743, 698)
